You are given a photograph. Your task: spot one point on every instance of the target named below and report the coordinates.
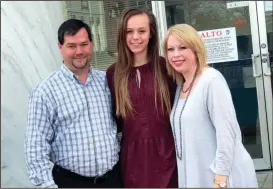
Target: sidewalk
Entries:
(264, 179)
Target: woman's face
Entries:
(138, 34)
(182, 59)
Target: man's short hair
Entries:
(71, 27)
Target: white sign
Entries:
(221, 45)
(237, 4)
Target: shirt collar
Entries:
(68, 73)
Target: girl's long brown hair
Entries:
(125, 62)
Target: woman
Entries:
(143, 95)
(206, 132)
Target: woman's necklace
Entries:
(179, 155)
(185, 90)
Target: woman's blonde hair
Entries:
(189, 37)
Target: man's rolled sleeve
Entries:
(49, 184)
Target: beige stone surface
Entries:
(264, 179)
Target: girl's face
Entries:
(181, 58)
(138, 34)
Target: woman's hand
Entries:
(215, 186)
(221, 179)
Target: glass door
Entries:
(237, 56)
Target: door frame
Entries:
(266, 70)
(260, 163)
(264, 93)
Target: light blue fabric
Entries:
(71, 124)
(211, 142)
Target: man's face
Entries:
(76, 51)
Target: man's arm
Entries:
(38, 139)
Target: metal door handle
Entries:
(266, 60)
(254, 65)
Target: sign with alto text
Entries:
(221, 45)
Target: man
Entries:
(70, 120)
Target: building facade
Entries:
(29, 53)
(239, 40)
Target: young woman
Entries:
(142, 97)
(207, 136)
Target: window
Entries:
(103, 19)
(84, 5)
(73, 16)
